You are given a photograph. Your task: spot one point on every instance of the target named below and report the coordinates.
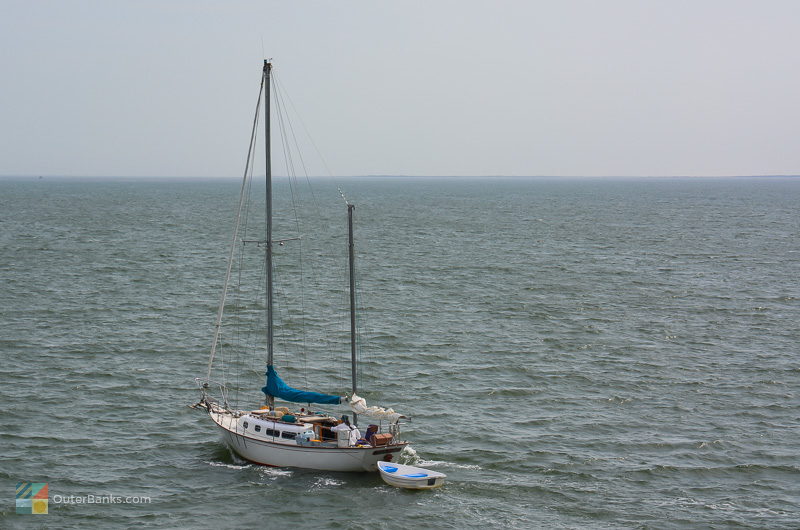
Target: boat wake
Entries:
(434, 463)
(229, 466)
(326, 482)
(273, 472)
(410, 457)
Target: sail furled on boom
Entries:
(277, 388)
(359, 406)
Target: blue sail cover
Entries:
(277, 388)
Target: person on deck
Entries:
(372, 430)
(355, 434)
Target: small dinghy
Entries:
(402, 476)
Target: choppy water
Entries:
(573, 353)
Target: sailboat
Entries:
(283, 435)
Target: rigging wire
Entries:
(308, 135)
(291, 145)
(249, 336)
(337, 360)
(239, 299)
(220, 311)
(291, 173)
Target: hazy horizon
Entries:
(334, 177)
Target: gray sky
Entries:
(567, 87)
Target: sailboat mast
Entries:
(268, 163)
(351, 250)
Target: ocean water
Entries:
(573, 353)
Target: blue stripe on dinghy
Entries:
(389, 469)
(415, 475)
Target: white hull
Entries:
(262, 451)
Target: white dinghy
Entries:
(410, 477)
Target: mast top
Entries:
(267, 65)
